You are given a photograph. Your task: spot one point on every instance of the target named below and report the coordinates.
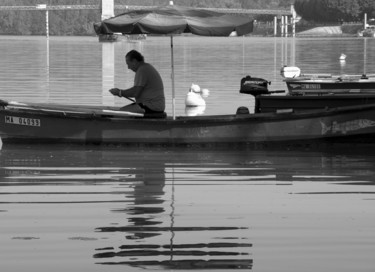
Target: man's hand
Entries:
(115, 91)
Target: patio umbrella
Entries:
(172, 20)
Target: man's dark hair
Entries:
(133, 54)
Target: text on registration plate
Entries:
(22, 121)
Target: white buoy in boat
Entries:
(342, 57)
(194, 99)
(194, 111)
(197, 89)
(1, 144)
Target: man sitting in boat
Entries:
(148, 89)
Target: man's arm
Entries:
(131, 92)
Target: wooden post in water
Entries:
(47, 24)
(294, 19)
(108, 73)
(108, 58)
(286, 21)
(275, 26)
(293, 27)
(364, 55)
(44, 6)
(108, 9)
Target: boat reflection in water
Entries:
(111, 208)
(145, 229)
(148, 218)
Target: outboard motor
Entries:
(254, 86)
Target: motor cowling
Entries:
(254, 86)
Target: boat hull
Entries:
(347, 123)
(335, 85)
(273, 103)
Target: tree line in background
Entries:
(334, 10)
(80, 22)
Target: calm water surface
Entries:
(107, 209)
(115, 209)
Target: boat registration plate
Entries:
(22, 121)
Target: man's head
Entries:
(134, 59)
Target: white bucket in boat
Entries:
(290, 72)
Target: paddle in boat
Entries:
(50, 123)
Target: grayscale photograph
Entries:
(187, 135)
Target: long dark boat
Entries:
(48, 123)
(320, 84)
(310, 94)
(331, 84)
(273, 103)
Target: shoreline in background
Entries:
(350, 30)
(304, 30)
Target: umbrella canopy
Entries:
(171, 20)
(175, 20)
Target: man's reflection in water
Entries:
(148, 200)
(148, 219)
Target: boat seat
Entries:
(155, 115)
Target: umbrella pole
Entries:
(172, 77)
